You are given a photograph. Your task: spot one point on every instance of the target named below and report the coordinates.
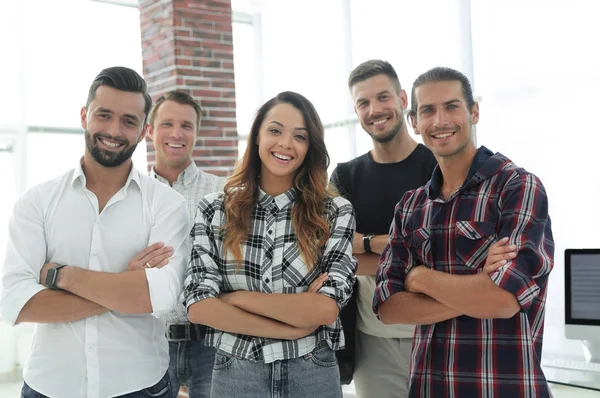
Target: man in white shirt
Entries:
(174, 125)
(96, 335)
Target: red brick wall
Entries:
(188, 45)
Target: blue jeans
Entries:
(162, 389)
(191, 364)
(311, 376)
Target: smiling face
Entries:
(283, 141)
(114, 125)
(443, 118)
(379, 107)
(173, 132)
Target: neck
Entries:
(105, 179)
(455, 169)
(395, 150)
(275, 185)
(170, 173)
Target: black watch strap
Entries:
(52, 276)
(367, 243)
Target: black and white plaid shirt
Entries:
(272, 264)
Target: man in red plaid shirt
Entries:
(480, 332)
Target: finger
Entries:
(167, 250)
(162, 263)
(502, 250)
(502, 256)
(161, 260)
(494, 266)
(148, 250)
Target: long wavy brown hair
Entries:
(310, 181)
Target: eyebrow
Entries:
(361, 99)
(445, 103)
(127, 115)
(281, 125)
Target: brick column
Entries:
(188, 45)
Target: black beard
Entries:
(390, 136)
(107, 158)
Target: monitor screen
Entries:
(582, 286)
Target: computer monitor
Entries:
(582, 295)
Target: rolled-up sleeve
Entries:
(393, 264)
(203, 279)
(25, 255)
(524, 219)
(337, 260)
(172, 227)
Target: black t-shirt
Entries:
(374, 189)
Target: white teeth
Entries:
(282, 157)
(175, 145)
(110, 144)
(443, 135)
(378, 122)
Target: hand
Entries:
(44, 272)
(358, 247)
(409, 281)
(318, 283)
(498, 255)
(154, 256)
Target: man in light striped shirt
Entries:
(174, 127)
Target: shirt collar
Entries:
(79, 175)
(281, 201)
(186, 177)
(485, 164)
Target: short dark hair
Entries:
(182, 98)
(371, 68)
(123, 79)
(441, 74)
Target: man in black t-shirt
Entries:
(374, 183)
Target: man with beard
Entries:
(374, 183)
(66, 266)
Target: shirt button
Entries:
(91, 349)
(98, 221)
(267, 280)
(270, 231)
(95, 253)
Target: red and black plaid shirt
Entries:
(464, 356)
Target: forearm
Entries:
(225, 317)
(414, 309)
(473, 295)
(54, 306)
(125, 292)
(367, 264)
(378, 243)
(299, 309)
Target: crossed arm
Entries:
(273, 315)
(85, 293)
(506, 285)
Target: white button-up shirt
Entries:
(58, 221)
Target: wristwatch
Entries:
(367, 243)
(52, 276)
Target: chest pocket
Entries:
(472, 242)
(419, 246)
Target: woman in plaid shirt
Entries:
(271, 263)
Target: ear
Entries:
(144, 132)
(413, 123)
(403, 99)
(475, 113)
(83, 115)
(149, 131)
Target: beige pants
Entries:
(382, 366)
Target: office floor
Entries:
(12, 390)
